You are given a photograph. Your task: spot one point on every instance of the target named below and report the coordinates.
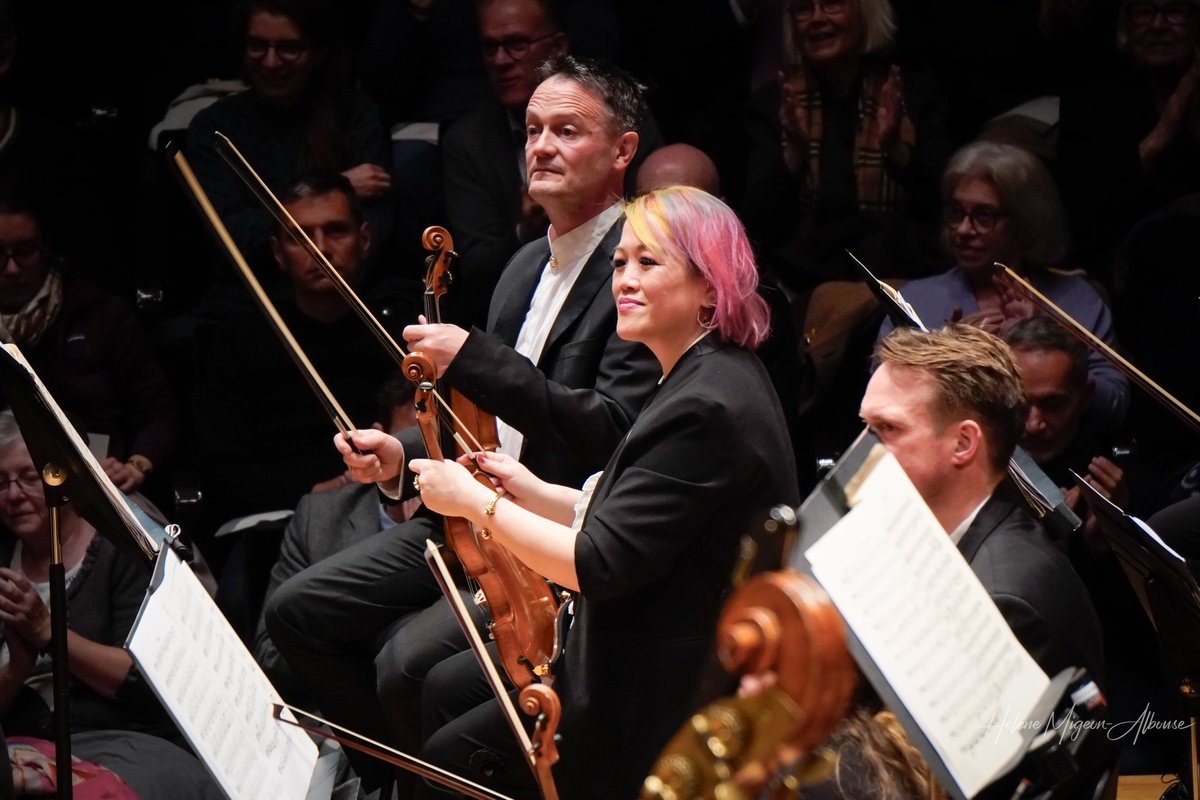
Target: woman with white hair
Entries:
(115, 719)
(1001, 205)
(846, 148)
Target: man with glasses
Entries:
(302, 113)
(488, 210)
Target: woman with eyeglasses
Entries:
(302, 114)
(1001, 205)
(115, 719)
(845, 149)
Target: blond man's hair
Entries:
(973, 373)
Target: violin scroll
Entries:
(781, 628)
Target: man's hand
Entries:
(438, 341)
(384, 462)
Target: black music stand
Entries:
(1165, 584)
(69, 474)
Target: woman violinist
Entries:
(649, 544)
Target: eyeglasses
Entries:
(24, 253)
(27, 482)
(983, 218)
(517, 47)
(1176, 13)
(805, 9)
(287, 50)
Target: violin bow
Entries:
(333, 408)
(1010, 278)
(396, 758)
(537, 699)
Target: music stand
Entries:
(1048, 761)
(1165, 584)
(69, 474)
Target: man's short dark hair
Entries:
(1044, 334)
(972, 372)
(620, 92)
(318, 183)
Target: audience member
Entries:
(86, 346)
(564, 387)
(302, 114)
(1001, 206)
(1130, 141)
(252, 400)
(44, 154)
(115, 719)
(845, 150)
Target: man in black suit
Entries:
(949, 406)
(563, 386)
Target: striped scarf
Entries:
(27, 325)
(877, 191)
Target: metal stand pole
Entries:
(54, 476)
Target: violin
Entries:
(524, 608)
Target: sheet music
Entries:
(929, 625)
(215, 691)
(144, 540)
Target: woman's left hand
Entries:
(448, 488)
(22, 609)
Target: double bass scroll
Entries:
(781, 627)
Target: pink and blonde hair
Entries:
(693, 226)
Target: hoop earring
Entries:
(708, 324)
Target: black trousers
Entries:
(362, 629)
(467, 733)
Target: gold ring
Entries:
(417, 482)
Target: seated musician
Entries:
(649, 543)
(115, 719)
(948, 404)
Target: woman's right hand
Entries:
(22, 609)
(511, 477)
(381, 464)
